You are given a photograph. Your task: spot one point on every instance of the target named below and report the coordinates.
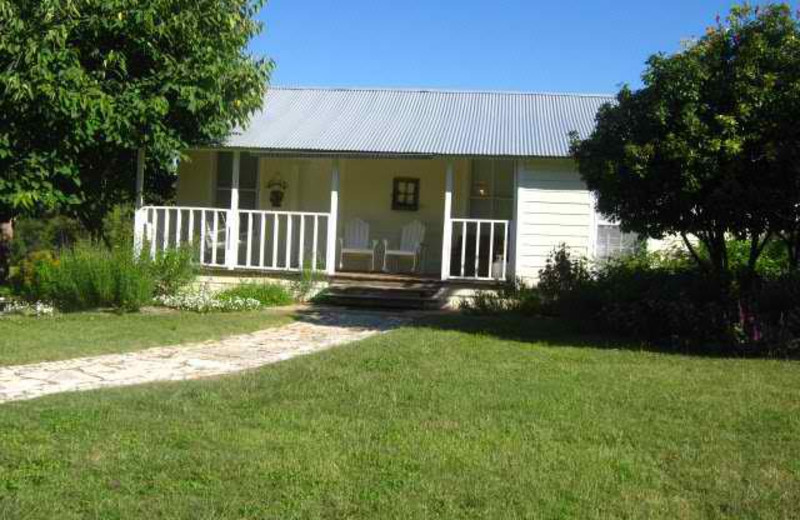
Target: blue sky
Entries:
(554, 46)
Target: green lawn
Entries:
(478, 418)
(29, 340)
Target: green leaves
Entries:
(709, 146)
(84, 83)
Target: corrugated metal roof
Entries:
(424, 122)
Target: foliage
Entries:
(89, 276)
(669, 301)
(517, 297)
(708, 147)
(307, 285)
(267, 294)
(561, 274)
(203, 301)
(22, 308)
(85, 84)
(45, 233)
(172, 269)
(33, 274)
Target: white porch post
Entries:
(447, 235)
(330, 253)
(140, 178)
(232, 231)
(140, 216)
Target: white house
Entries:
(481, 182)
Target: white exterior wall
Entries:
(553, 207)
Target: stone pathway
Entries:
(311, 333)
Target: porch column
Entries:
(232, 231)
(330, 254)
(447, 235)
(139, 216)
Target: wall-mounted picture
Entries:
(405, 194)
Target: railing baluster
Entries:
(214, 233)
(154, 233)
(505, 248)
(166, 230)
(463, 245)
(202, 237)
(302, 242)
(249, 238)
(190, 237)
(315, 238)
(288, 241)
(477, 247)
(178, 227)
(263, 244)
(275, 234)
(490, 274)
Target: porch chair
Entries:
(411, 240)
(356, 242)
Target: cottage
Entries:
(457, 186)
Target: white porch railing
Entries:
(241, 239)
(479, 249)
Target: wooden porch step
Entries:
(384, 297)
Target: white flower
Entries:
(19, 308)
(203, 301)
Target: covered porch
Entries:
(283, 213)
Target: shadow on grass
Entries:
(551, 332)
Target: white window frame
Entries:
(598, 219)
(493, 197)
(215, 188)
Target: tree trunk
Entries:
(6, 235)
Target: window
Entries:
(612, 242)
(248, 180)
(405, 194)
(492, 190)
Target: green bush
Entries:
(511, 298)
(32, 273)
(172, 270)
(49, 233)
(268, 294)
(89, 275)
(562, 274)
(306, 286)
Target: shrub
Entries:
(562, 274)
(33, 273)
(172, 270)
(512, 298)
(306, 287)
(90, 275)
(49, 233)
(267, 294)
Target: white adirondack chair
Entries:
(411, 239)
(356, 242)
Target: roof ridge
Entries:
(439, 91)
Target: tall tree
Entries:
(85, 83)
(708, 147)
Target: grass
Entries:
(29, 340)
(456, 418)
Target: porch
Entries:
(228, 210)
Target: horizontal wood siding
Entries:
(554, 208)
